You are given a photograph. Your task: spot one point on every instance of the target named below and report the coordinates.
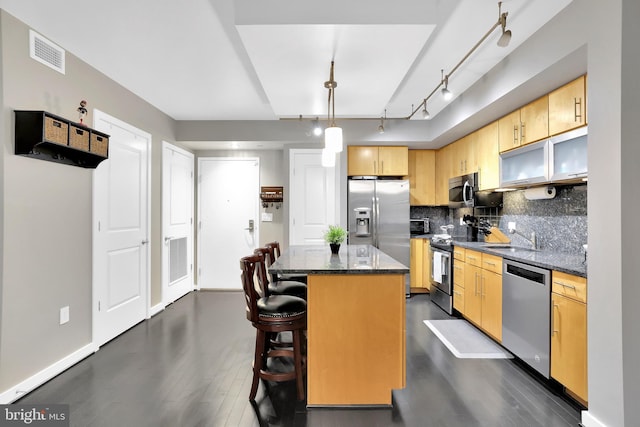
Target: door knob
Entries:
(145, 241)
(250, 227)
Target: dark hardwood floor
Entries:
(191, 366)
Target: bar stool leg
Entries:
(258, 361)
(297, 358)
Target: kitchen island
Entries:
(355, 323)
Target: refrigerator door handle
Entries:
(376, 215)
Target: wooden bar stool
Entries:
(271, 315)
(280, 287)
(274, 252)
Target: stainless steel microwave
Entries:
(464, 193)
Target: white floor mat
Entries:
(465, 341)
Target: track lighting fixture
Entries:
(317, 130)
(425, 112)
(332, 134)
(381, 127)
(504, 39)
(446, 93)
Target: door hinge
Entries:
(191, 267)
(98, 225)
(98, 305)
(199, 272)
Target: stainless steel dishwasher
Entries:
(526, 296)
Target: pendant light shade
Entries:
(333, 139)
(328, 158)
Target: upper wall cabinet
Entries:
(422, 177)
(486, 141)
(568, 107)
(45, 136)
(524, 126)
(377, 161)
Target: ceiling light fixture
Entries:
(505, 38)
(425, 112)
(446, 93)
(317, 130)
(381, 127)
(332, 134)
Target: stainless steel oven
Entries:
(441, 277)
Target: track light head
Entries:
(317, 130)
(446, 93)
(381, 127)
(425, 113)
(505, 37)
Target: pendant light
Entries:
(505, 38)
(328, 158)
(332, 134)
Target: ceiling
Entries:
(269, 59)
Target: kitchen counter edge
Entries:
(558, 261)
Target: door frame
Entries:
(97, 116)
(164, 248)
(198, 227)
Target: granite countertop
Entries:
(352, 259)
(567, 263)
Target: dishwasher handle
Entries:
(525, 273)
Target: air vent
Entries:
(46, 52)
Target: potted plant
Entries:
(335, 235)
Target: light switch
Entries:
(64, 315)
(267, 217)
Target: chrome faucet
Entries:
(532, 239)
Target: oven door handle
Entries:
(467, 187)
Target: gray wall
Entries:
(47, 209)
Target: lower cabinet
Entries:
(483, 292)
(420, 267)
(569, 333)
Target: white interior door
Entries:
(177, 222)
(121, 230)
(312, 205)
(228, 209)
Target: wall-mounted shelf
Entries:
(45, 136)
(271, 195)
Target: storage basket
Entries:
(79, 138)
(55, 131)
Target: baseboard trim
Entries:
(156, 309)
(35, 381)
(589, 420)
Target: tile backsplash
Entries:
(560, 223)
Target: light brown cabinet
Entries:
(377, 161)
(463, 158)
(524, 126)
(420, 265)
(569, 333)
(422, 177)
(568, 107)
(483, 292)
(443, 173)
(486, 141)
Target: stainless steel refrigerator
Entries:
(379, 216)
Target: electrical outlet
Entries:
(512, 225)
(461, 221)
(267, 217)
(64, 315)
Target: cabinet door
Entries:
(422, 174)
(488, 157)
(427, 256)
(568, 107)
(509, 131)
(534, 118)
(393, 161)
(473, 294)
(569, 344)
(362, 160)
(442, 175)
(492, 304)
(415, 263)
